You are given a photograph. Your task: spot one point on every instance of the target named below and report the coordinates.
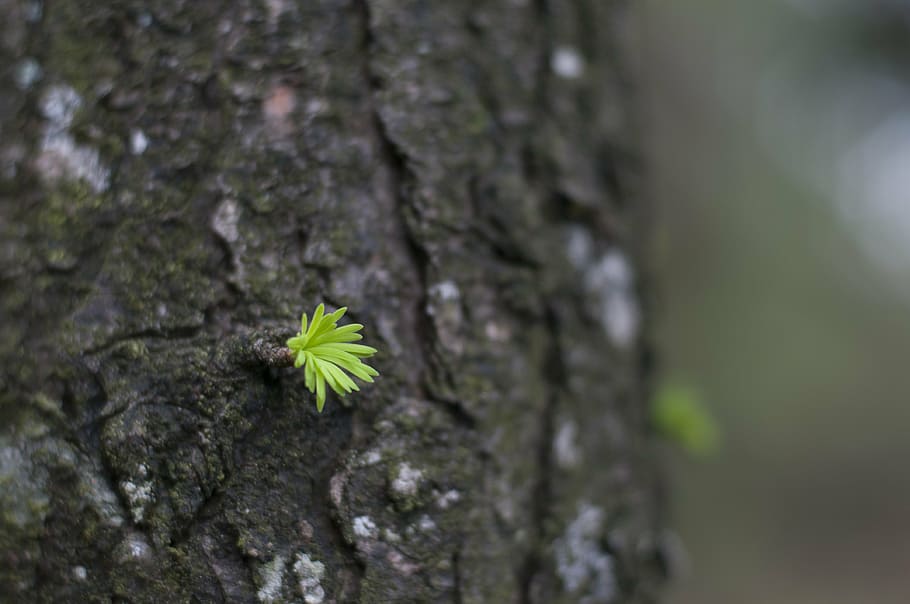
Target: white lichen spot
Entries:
(138, 142)
(59, 105)
(426, 524)
(80, 573)
(444, 306)
(407, 481)
(270, 578)
(566, 62)
(568, 455)
(445, 291)
(134, 547)
(28, 71)
(364, 527)
(139, 497)
(59, 156)
(610, 281)
(579, 246)
(372, 457)
(445, 500)
(138, 549)
(309, 578)
(225, 219)
(144, 19)
(580, 562)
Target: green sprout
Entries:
(323, 349)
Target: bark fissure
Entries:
(555, 373)
(456, 573)
(400, 180)
(552, 368)
(542, 79)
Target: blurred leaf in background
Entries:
(680, 416)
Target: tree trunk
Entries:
(180, 178)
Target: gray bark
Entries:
(180, 178)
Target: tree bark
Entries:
(182, 179)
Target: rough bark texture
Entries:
(182, 178)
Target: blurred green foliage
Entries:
(679, 415)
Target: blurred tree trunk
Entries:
(180, 177)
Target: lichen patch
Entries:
(610, 281)
(407, 481)
(444, 306)
(138, 142)
(28, 72)
(364, 527)
(309, 578)
(580, 562)
(59, 157)
(270, 578)
(134, 547)
(567, 63)
(445, 500)
(565, 445)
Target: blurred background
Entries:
(780, 155)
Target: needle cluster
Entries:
(326, 351)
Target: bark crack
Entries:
(554, 371)
(456, 573)
(401, 178)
